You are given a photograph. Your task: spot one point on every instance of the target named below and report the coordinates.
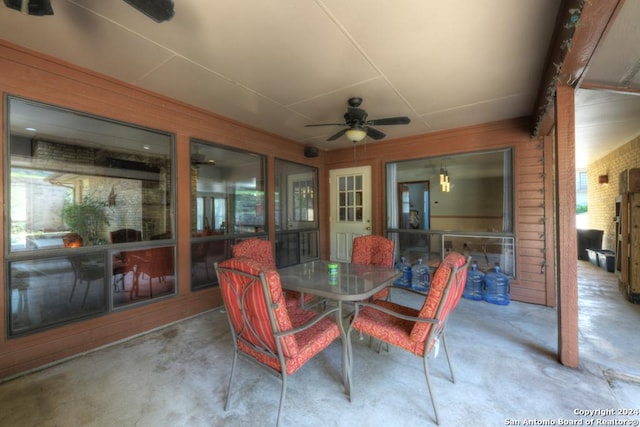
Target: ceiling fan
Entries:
(158, 10)
(357, 126)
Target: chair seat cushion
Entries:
(310, 341)
(388, 328)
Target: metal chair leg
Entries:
(283, 391)
(233, 370)
(433, 400)
(446, 352)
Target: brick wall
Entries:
(602, 197)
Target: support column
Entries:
(566, 237)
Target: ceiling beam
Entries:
(580, 27)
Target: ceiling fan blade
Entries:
(337, 135)
(325, 124)
(374, 133)
(158, 10)
(403, 120)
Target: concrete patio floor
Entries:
(504, 356)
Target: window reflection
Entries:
(473, 214)
(142, 274)
(79, 186)
(50, 291)
(227, 203)
(83, 175)
(296, 213)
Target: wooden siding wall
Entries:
(37, 77)
(532, 202)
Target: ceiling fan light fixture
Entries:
(356, 134)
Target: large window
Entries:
(227, 204)
(296, 213)
(459, 202)
(90, 213)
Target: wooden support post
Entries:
(567, 252)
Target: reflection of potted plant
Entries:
(88, 219)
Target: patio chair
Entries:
(264, 329)
(261, 251)
(417, 331)
(85, 269)
(373, 250)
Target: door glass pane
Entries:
(350, 199)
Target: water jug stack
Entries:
(405, 279)
(420, 276)
(497, 287)
(474, 287)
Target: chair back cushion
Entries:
(257, 249)
(443, 296)
(372, 250)
(245, 293)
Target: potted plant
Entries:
(88, 219)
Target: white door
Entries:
(350, 210)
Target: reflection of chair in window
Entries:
(85, 270)
(203, 256)
(125, 235)
(120, 269)
(156, 263)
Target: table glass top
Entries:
(353, 282)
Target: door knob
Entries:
(368, 228)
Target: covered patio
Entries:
(505, 360)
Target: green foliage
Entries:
(88, 219)
(581, 209)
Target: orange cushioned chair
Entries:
(261, 251)
(373, 250)
(264, 329)
(417, 331)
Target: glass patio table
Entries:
(353, 282)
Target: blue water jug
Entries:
(420, 277)
(497, 287)
(405, 279)
(474, 287)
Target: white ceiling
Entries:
(279, 65)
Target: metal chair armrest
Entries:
(306, 325)
(395, 314)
